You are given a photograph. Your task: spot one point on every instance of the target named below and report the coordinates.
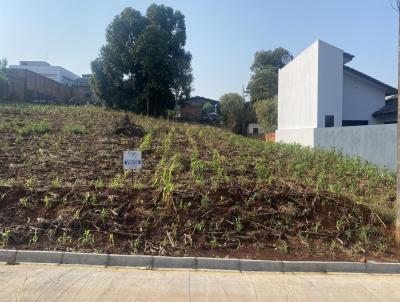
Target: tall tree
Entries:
(264, 80)
(144, 66)
(3, 79)
(236, 113)
(267, 113)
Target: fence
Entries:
(374, 143)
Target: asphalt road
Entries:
(30, 282)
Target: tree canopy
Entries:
(236, 113)
(266, 111)
(264, 80)
(3, 79)
(143, 65)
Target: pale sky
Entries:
(222, 35)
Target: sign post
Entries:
(132, 160)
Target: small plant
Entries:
(214, 242)
(24, 201)
(31, 183)
(34, 238)
(282, 246)
(87, 238)
(56, 183)
(98, 184)
(145, 146)
(205, 202)
(75, 129)
(117, 182)
(47, 202)
(64, 239)
(5, 235)
(238, 224)
(34, 128)
(89, 199)
(104, 215)
(111, 239)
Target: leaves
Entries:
(143, 66)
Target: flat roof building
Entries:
(56, 73)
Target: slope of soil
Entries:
(202, 190)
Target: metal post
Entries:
(397, 232)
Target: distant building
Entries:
(56, 73)
(254, 129)
(388, 113)
(192, 109)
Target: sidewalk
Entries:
(31, 282)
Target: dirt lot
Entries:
(202, 191)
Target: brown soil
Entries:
(66, 191)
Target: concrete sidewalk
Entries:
(34, 282)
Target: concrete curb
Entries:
(13, 256)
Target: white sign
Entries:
(132, 160)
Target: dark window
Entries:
(353, 123)
(255, 130)
(329, 121)
(391, 122)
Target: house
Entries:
(388, 113)
(254, 129)
(192, 109)
(56, 73)
(320, 97)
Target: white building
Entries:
(317, 90)
(56, 73)
(254, 129)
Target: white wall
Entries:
(373, 143)
(330, 83)
(361, 98)
(304, 137)
(298, 91)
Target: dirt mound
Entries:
(125, 126)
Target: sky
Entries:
(222, 35)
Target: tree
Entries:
(3, 79)
(264, 80)
(236, 113)
(208, 108)
(143, 66)
(267, 113)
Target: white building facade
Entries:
(317, 90)
(56, 73)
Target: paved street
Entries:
(29, 282)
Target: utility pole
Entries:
(397, 232)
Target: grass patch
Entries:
(75, 129)
(34, 128)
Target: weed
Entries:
(111, 239)
(87, 238)
(75, 129)
(56, 183)
(24, 201)
(117, 182)
(34, 128)
(47, 202)
(145, 146)
(282, 246)
(34, 238)
(5, 235)
(238, 224)
(64, 239)
(98, 184)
